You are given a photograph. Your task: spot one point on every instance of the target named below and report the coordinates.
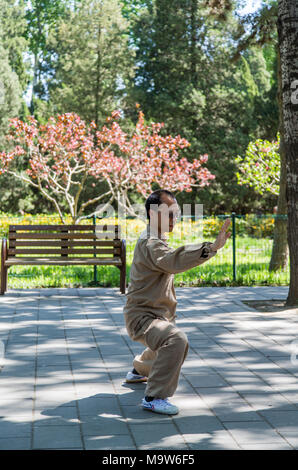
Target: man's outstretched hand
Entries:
(222, 236)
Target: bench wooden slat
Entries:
(62, 261)
(93, 236)
(67, 251)
(59, 228)
(108, 243)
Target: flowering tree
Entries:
(260, 167)
(65, 151)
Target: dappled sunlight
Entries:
(174, 441)
(109, 415)
(189, 403)
(96, 438)
(25, 419)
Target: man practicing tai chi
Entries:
(150, 306)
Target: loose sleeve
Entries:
(181, 259)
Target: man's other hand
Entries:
(222, 236)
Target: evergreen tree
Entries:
(12, 34)
(10, 94)
(41, 17)
(11, 192)
(93, 62)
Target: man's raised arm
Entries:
(185, 257)
(181, 259)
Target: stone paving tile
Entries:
(218, 440)
(98, 405)
(253, 432)
(190, 405)
(211, 395)
(285, 362)
(22, 369)
(44, 361)
(107, 423)
(41, 405)
(184, 386)
(205, 380)
(268, 400)
(52, 371)
(243, 382)
(198, 424)
(291, 436)
(16, 407)
(21, 394)
(54, 415)
(282, 418)
(49, 395)
(11, 429)
(17, 443)
(276, 446)
(240, 415)
(56, 437)
(134, 398)
(163, 436)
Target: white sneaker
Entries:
(160, 405)
(132, 378)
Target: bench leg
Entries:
(122, 279)
(4, 275)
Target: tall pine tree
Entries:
(92, 62)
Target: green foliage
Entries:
(12, 38)
(93, 62)
(260, 168)
(10, 94)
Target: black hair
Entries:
(155, 198)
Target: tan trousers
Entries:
(161, 361)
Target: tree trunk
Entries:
(194, 76)
(279, 256)
(287, 25)
(193, 42)
(35, 74)
(98, 78)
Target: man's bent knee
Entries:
(161, 333)
(181, 340)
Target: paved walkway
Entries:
(67, 353)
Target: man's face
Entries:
(165, 218)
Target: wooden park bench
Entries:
(63, 245)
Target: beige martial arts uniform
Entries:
(150, 308)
